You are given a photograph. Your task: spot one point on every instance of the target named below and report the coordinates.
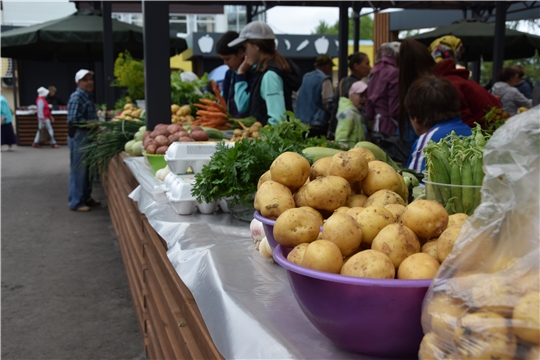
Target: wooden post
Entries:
(381, 30)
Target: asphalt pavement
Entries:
(64, 290)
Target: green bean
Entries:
(478, 177)
(467, 192)
(455, 177)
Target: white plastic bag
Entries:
(484, 302)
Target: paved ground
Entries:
(64, 289)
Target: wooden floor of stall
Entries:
(169, 319)
(27, 126)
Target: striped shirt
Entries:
(81, 107)
(417, 161)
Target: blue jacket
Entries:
(417, 161)
(231, 92)
(309, 106)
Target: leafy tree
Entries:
(366, 28)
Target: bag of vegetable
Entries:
(484, 302)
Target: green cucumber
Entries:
(316, 152)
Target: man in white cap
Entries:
(81, 109)
(44, 118)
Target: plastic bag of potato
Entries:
(484, 302)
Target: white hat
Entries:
(254, 30)
(358, 88)
(82, 73)
(42, 92)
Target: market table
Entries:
(200, 290)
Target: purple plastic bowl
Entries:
(375, 317)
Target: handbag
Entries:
(44, 134)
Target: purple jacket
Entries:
(383, 95)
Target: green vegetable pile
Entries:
(187, 93)
(456, 160)
(233, 172)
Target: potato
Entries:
(317, 214)
(297, 254)
(342, 209)
(320, 168)
(290, 169)
(323, 255)
(296, 226)
(430, 248)
(427, 218)
(150, 149)
(443, 312)
(457, 219)
(200, 135)
(372, 220)
(264, 177)
(380, 176)
(357, 200)
(533, 353)
(445, 242)
(299, 197)
(343, 231)
(369, 264)
(354, 211)
(495, 294)
(351, 166)
(383, 198)
(418, 266)
(162, 149)
(396, 241)
(327, 193)
(432, 347)
(397, 210)
(368, 155)
(356, 187)
(272, 199)
(526, 318)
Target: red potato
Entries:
(185, 139)
(161, 140)
(162, 131)
(146, 134)
(151, 149)
(183, 133)
(195, 128)
(174, 128)
(148, 141)
(199, 135)
(174, 137)
(162, 149)
(159, 126)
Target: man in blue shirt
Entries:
(81, 109)
(434, 109)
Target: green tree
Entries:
(366, 28)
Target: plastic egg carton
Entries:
(180, 156)
(178, 192)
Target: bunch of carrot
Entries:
(212, 113)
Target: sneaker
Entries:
(93, 202)
(36, 145)
(81, 209)
(55, 146)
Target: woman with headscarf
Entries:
(44, 118)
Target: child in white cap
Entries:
(351, 124)
(44, 117)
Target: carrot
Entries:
(223, 127)
(212, 122)
(201, 106)
(213, 115)
(217, 93)
(208, 102)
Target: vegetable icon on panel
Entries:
(302, 45)
(321, 45)
(277, 42)
(206, 43)
(337, 44)
(287, 43)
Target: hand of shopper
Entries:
(245, 66)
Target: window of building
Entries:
(136, 19)
(179, 23)
(205, 23)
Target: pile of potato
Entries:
(181, 114)
(130, 112)
(158, 141)
(251, 133)
(367, 228)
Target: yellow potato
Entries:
(369, 264)
(445, 242)
(327, 193)
(357, 200)
(351, 166)
(174, 108)
(444, 313)
(383, 198)
(432, 347)
(368, 155)
(323, 255)
(297, 254)
(372, 220)
(427, 218)
(396, 241)
(397, 210)
(526, 318)
(299, 198)
(430, 248)
(457, 219)
(354, 211)
(272, 199)
(343, 231)
(533, 353)
(264, 177)
(296, 226)
(356, 187)
(320, 168)
(290, 169)
(494, 294)
(380, 176)
(418, 266)
(314, 212)
(341, 209)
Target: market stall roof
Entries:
(77, 37)
(478, 37)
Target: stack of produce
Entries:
(135, 147)
(251, 132)
(181, 114)
(212, 113)
(158, 141)
(130, 112)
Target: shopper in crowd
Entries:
(351, 126)
(525, 85)
(234, 57)
(53, 99)
(8, 135)
(44, 118)
(510, 96)
(275, 78)
(314, 102)
(446, 47)
(358, 64)
(81, 110)
(433, 106)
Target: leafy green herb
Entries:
(185, 92)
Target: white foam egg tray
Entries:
(180, 156)
(178, 192)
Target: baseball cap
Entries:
(82, 73)
(358, 88)
(254, 30)
(42, 91)
(322, 60)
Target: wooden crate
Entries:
(27, 126)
